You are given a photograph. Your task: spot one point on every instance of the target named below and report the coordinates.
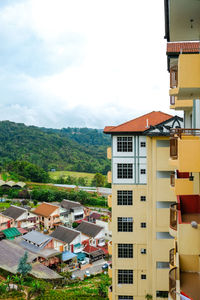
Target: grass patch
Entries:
(57, 174)
(4, 205)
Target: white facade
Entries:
(137, 158)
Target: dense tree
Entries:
(98, 180)
(75, 149)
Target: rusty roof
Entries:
(183, 47)
(45, 209)
(140, 124)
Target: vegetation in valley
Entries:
(73, 149)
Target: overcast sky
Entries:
(81, 62)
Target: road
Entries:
(95, 268)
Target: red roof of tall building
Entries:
(140, 124)
(188, 47)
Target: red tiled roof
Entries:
(45, 209)
(90, 249)
(192, 47)
(140, 124)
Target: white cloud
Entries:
(83, 63)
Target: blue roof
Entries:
(67, 255)
(81, 255)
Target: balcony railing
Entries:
(173, 77)
(172, 179)
(171, 257)
(173, 216)
(172, 283)
(179, 132)
(174, 147)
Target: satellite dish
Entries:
(194, 224)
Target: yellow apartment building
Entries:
(182, 31)
(140, 201)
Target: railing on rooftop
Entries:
(173, 216)
(172, 282)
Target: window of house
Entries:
(125, 276)
(142, 144)
(124, 224)
(124, 144)
(143, 171)
(124, 170)
(143, 276)
(143, 198)
(143, 225)
(125, 297)
(124, 197)
(143, 250)
(125, 250)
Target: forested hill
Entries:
(70, 149)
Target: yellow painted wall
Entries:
(189, 263)
(188, 155)
(183, 186)
(189, 71)
(162, 184)
(162, 279)
(162, 159)
(188, 239)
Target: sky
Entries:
(82, 63)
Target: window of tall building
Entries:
(124, 170)
(124, 144)
(143, 276)
(125, 250)
(143, 198)
(142, 144)
(143, 171)
(124, 197)
(125, 276)
(143, 250)
(162, 294)
(125, 297)
(143, 225)
(124, 224)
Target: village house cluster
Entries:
(47, 234)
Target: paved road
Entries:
(95, 268)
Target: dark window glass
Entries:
(125, 250)
(124, 170)
(125, 276)
(124, 197)
(143, 276)
(143, 225)
(143, 251)
(125, 297)
(124, 224)
(124, 144)
(143, 198)
(143, 144)
(143, 171)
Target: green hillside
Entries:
(72, 149)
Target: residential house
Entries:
(19, 217)
(48, 214)
(11, 253)
(40, 244)
(93, 233)
(67, 239)
(71, 211)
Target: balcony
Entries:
(109, 177)
(109, 153)
(190, 284)
(173, 219)
(185, 77)
(110, 248)
(110, 201)
(182, 183)
(179, 104)
(185, 149)
(172, 283)
(172, 257)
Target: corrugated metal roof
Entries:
(37, 237)
(67, 255)
(64, 234)
(89, 229)
(11, 233)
